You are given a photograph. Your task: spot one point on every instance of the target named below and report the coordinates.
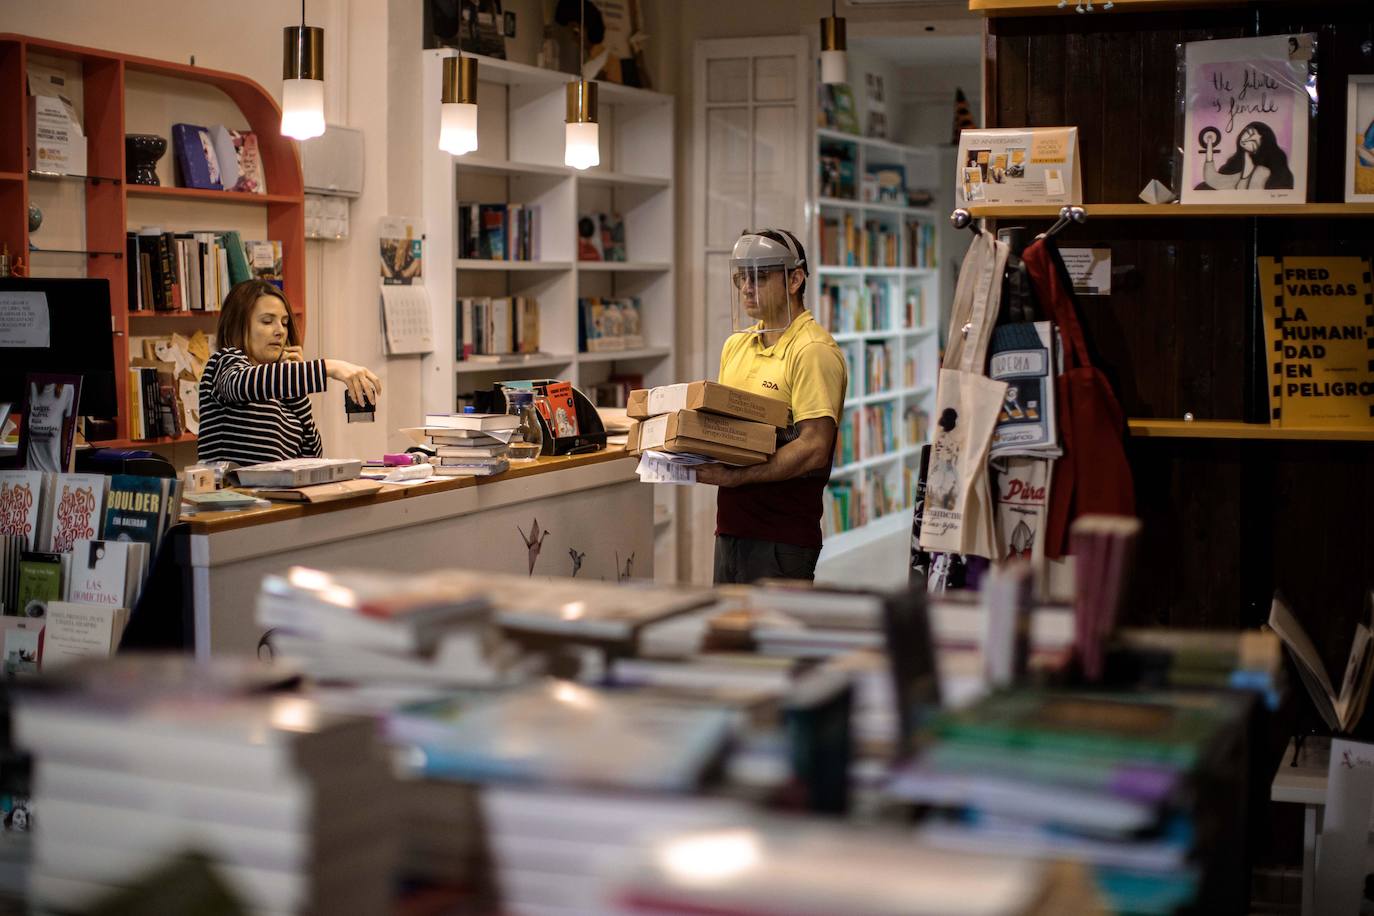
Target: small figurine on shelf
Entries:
(143, 151)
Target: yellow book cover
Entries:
(1319, 327)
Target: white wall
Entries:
(363, 40)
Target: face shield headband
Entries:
(760, 272)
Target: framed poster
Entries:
(1359, 134)
(1245, 120)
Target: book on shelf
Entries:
(837, 171)
(264, 260)
(615, 391)
(76, 630)
(885, 184)
(498, 231)
(612, 236)
(77, 510)
(607, 324)
(24, 498)
(106, 573)
(239, 159)
(877, 367)
(497, 327)
(194, 153)
(42, 579)
(846, 242)
(138, 508)
(22, 644)
(47, 436)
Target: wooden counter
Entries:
(211, 522)
(595, 520)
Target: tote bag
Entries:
(959, 511)
(1093, 475)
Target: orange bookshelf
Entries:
(103, 75)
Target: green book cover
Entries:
(40, 581)
(238, 260)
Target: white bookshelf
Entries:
(519, 159)
(892, 464)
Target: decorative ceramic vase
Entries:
(141, 153)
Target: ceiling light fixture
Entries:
(302, 93)
(834, 61)
(582, 140)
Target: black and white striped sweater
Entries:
(250, 414)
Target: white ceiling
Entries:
(922, 50)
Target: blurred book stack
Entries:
(363, 627)
(141, 759)
(470, 444)
(1115, 780)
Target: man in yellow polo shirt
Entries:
(768, 516)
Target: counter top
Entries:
(213, 522)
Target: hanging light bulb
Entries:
(458, 111)
(302, 94)
(834, 61)
(582, 140)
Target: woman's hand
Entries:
(293, 354)
(362, 384)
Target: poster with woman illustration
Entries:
(1246, 119)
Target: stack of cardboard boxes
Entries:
(707, 419)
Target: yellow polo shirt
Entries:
(805, 368)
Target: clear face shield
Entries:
(760, 273)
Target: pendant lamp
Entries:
(302, 94)
(834, 61)
(458, 109)
(582, 139)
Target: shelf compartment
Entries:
(608, 356)
(1236, 429)
(884, 458)
(472, 367)
(830, 133)
(625, 266)
(1164, 211)
(205, 195)
(847, 336)
(90, 253)
(498, 167)
(485, 264)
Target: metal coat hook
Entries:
(963, 219)
(1069, 214)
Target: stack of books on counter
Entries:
(141, 758)
(706, 420)
(307, 480)
(1118, 781)
(470, 444)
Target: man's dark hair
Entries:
(804, 266)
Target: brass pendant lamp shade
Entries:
(303, 53)
(302, 71)
(460, 80)
(834, 60)
(458, 106)
(581, 102)
(581, 134)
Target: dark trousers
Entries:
(743, 560)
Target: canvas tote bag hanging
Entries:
(1092, 476)
(958, 511)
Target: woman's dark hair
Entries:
(237, 311)
(804, 266)
(1270, 155)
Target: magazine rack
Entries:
(591, 436)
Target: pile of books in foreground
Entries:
(140, 759)
(1123, 782)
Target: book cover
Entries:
(101, 574)
(1246, 114)
(23, 644)
(196, 162)
(612, 236)
(1359, 133)
(559, 409)
(47, 437)
(493, 245)
(236, 254)
(1023, 356)
(632, 323)
(76, 631)
(1317, 321)
(40, 581)
(846, 114)
(225, 155)
(134, 509)
(589, 240)
(22, 497)
(78, 510)
(264, 260)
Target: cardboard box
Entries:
(710, 397)
(683, 444)
(708, 427)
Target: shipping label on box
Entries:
(1034, 165)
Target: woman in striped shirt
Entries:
(254, 403)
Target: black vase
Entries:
(141, 153)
